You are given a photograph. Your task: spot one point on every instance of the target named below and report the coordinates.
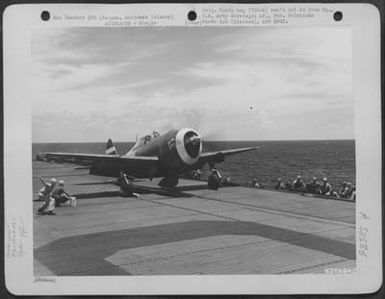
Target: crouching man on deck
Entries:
(62, 197)
(45, 195)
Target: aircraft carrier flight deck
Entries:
(192, 231)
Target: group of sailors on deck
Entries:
(347, 190)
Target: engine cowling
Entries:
(188, 145)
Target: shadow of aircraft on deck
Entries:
(179, 191)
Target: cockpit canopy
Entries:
(143, 141)
(146, 139)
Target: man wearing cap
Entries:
(60, 195)
(343, 190)
(348, 190)
(279, 185)
(326, 188)
(298, 184)
(45, 195)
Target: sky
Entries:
(244, 83)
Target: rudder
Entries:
(110, 148)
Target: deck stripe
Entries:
(278, 212)
(87, 254)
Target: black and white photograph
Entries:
(212, 149)
(197, 151)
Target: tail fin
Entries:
(110, 148)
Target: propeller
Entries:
(192, 143)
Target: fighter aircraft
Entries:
(165, 156)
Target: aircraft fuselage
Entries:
(177, 151)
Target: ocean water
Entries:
(334, 159)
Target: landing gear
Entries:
(169, 182)
(125, 183)
(214, 179)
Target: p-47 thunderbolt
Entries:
(165, 156)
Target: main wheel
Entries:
(213, 181)
(169, 182)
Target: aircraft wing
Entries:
(219, 156)
(105, 165)
(89, 159)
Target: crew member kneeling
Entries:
(62, 197)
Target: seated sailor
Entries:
(298, 184)
(326, 188)
(279, 185)
(313, 187)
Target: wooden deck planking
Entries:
(289, 235)
(221, 255)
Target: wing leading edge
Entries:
(89, 159)
(229, 152)
(219, 156)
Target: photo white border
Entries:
(18, 20)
